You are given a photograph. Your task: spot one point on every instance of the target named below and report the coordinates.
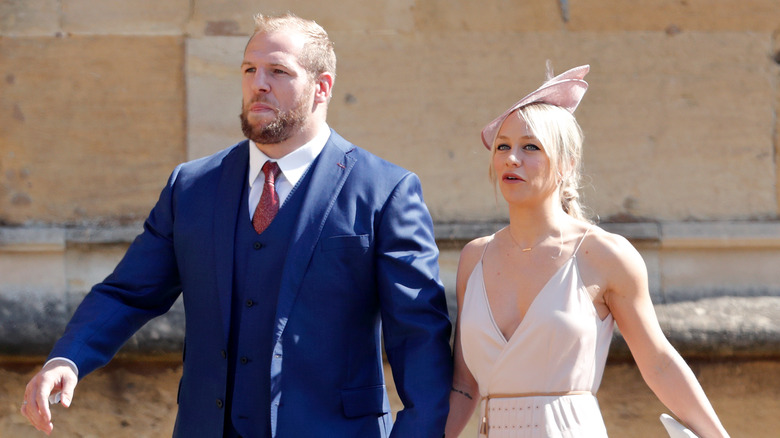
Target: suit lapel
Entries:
(328, 174)
(227, 206)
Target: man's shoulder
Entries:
(366, 161)
(236, 152)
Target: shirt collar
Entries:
(292, 165)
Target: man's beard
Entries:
(284, 126)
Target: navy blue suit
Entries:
(361, 261)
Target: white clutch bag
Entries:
(675, 429)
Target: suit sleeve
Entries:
(415, 322)
(144, 284)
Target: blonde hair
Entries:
(561, 136)
(317, 56)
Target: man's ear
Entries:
(323, 87)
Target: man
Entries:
(283, 304)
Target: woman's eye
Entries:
(531, 147)
(503, 147)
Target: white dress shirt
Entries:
(292, 165)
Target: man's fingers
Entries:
(40, 419)
(40, 404)
(69, 381)
(57, 380)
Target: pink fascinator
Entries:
(565, 90)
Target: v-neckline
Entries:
(530, 306)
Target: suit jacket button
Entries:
(220, 403)
(250, 303)
(244, 360)
(224, 354)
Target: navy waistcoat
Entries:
(258, 264)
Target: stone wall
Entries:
(100, 100)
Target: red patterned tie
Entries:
(269, 200)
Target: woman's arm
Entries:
(663, 369)
(464, 394)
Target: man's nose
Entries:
(260, 82)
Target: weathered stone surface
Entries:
(663, 113)
(32, 321)
(32, 273)
(29, 17)
(695, 274)
(775, 81)
(724, 327)
(213, 72)
(674, 15)
(596, 16)
(138, 17)
(232, 18)
(91, 126)
(680, 127)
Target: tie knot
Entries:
(271, 171)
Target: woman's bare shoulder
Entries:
(613, 255)
(473, 250)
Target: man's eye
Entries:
(250, 70)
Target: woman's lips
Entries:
(512, 177)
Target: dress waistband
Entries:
(484, 424)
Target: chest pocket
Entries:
(343, 242)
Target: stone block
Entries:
(31, 322)
(775, 71)
(213, 70)
(91, 126)
(674, 16)
(29, 17)
(680, 127)
(671, 16)
(498, 17)
(36, 239)
(694, 274)
(30, 273)
(138, 17)
(721, 235)
(233, 18)
(87, 265)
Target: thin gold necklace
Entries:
(528, 249)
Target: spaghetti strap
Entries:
(492, 236)
(581, 240)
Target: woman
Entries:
(538, 299)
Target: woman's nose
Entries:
(513, 160)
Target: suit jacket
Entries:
(362, 261)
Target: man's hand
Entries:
(56, 378)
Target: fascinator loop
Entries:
(565, 90)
